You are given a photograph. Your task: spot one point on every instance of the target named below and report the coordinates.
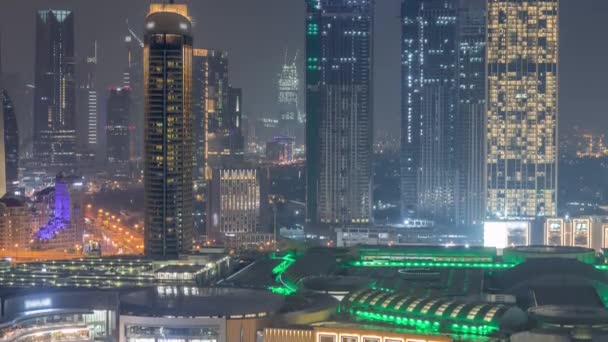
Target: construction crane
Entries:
(141, 43)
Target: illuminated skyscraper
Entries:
(429, 109)
(522, 108)
(118, 131)
(339, 60)
(55, 93)
(470, 125)
(168, 130)
(288, 86)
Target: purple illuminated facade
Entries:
(61, 217)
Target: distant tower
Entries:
(289, 85)
(11, 142)
(87, 102)
(55, 93)
(117, 125)
(522, 108)
(132, 78)
(339, 121)
(2, 154)
(168, 131)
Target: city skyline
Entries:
(579, 103)
(161, 208)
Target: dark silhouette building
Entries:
(11, 143)
(118, 129)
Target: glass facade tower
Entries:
(470, 125)
(55, 93)
(522, 108)
(339, 59)
(168, 139)
(429, 109)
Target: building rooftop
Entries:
(200, 302)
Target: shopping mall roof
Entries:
(184, 301)
(570, 315)
(433, 313)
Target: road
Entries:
(116, 236)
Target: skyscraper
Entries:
(429, 109)
(132, 78)
(339, 60)
(168, 130)
(522, 108)
(235, 115)
(470, 125)
(210, 102)
(87, 101)
(2, 154)
(11, 142)
(117, 125)
(288, 86)
(54, 96)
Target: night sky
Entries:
(256, 34)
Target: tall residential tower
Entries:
(168, 131)
(339, 63)
(522, 108)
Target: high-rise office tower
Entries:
(11, 142)
(288, 86)
(429, 109)
(168, 130)
(118, 130)
(522, 108)
(87, 101)
(339, 60)
(55, 93)
(470, 125)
